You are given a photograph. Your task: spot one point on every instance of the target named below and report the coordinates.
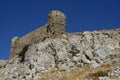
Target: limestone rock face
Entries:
(66, 53)
(49, 53)
(2, 67)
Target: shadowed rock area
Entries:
(50, 53)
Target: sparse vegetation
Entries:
(83, 73)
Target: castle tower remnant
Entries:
(57, 22)
(55, 27)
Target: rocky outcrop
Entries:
(64, 56)
(55, 27)
(66, 53)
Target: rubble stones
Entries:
(115, 73)
(104, 78)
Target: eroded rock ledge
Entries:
(47, 49)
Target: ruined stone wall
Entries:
(55, 27)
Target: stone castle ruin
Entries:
(55, 27)
(50, 53)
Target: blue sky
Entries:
(19, 17)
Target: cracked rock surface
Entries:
(70, 51)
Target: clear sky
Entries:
(19, 17)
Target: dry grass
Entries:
(114, 56)
(84, 73)
(1, 75)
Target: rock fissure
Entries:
(22, 54)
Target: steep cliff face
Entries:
(77, 56)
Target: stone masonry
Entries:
(55, 27)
